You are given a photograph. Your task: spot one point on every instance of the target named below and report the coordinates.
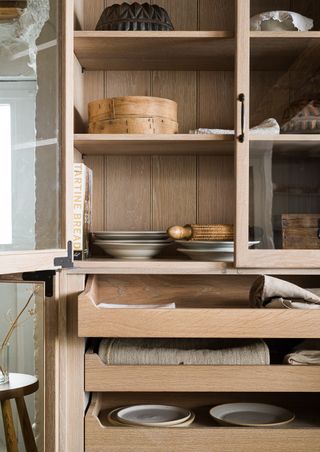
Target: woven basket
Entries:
(135, 17)
(197, 232)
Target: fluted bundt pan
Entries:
(135, 17)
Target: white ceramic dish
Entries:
(113, 420)
(153, 415)
(130, 235)
(131, 250)
(208, 255)
(251, 415)
(210, 245)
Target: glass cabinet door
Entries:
(279, 202)
(32, 139)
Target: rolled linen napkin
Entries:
(306, 353)
(269, 292)
(183, 351)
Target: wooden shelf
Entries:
(130, 144)
(175, 267)
(154, 50)
(281, 50)
(100, 377)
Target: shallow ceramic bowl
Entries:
(131, 250)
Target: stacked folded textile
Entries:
(183, 351)
(269, 292)
(306, 353)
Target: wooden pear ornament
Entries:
(180, 232)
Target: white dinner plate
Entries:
(208, 255)
(153, 415)
(113, 420)
(211, 245)
(131, 235)
(251, 414)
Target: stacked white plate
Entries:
(151, 416)
(209, 250)
(131, 244)
(251, 415)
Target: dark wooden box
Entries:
(301, 231)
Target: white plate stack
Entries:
(135, 245)
(209, 250)
(151, 416)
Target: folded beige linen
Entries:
(269, 292)
(183, 351)
(306, 353)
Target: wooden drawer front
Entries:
(219, 309)
(210, 323)
(100, 377)
(122, 439)
(202, 436)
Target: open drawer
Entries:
(303, 434)
(100, 377)
(215, 306)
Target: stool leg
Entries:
(26, 428)
(11, 438)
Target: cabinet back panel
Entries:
(144, 192)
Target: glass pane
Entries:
(25, 349)
(284, 204)
(29, 127)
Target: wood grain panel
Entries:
(259, 6)
(97, 164)
(216, 100)
(128, 197)
(180, 87)
(216, 15)
(92, 13)
(100, 377)
(183, 13)
(216, 190)
(127, 83)
(174, 191)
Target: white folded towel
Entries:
(269, 126)
(270, 292)
(306, 353)
(184, 351)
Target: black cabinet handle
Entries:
(241, 99)
(318, 233)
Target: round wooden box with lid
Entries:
(133, 114)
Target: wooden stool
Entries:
(19, 385)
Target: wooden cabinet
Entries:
(224, 76)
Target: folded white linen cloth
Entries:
(183, 351)
(306, 353)
(270, 292)
(136, 306)
(267, 127)
(280, 21)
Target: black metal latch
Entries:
(65, 262)
(45, 276)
